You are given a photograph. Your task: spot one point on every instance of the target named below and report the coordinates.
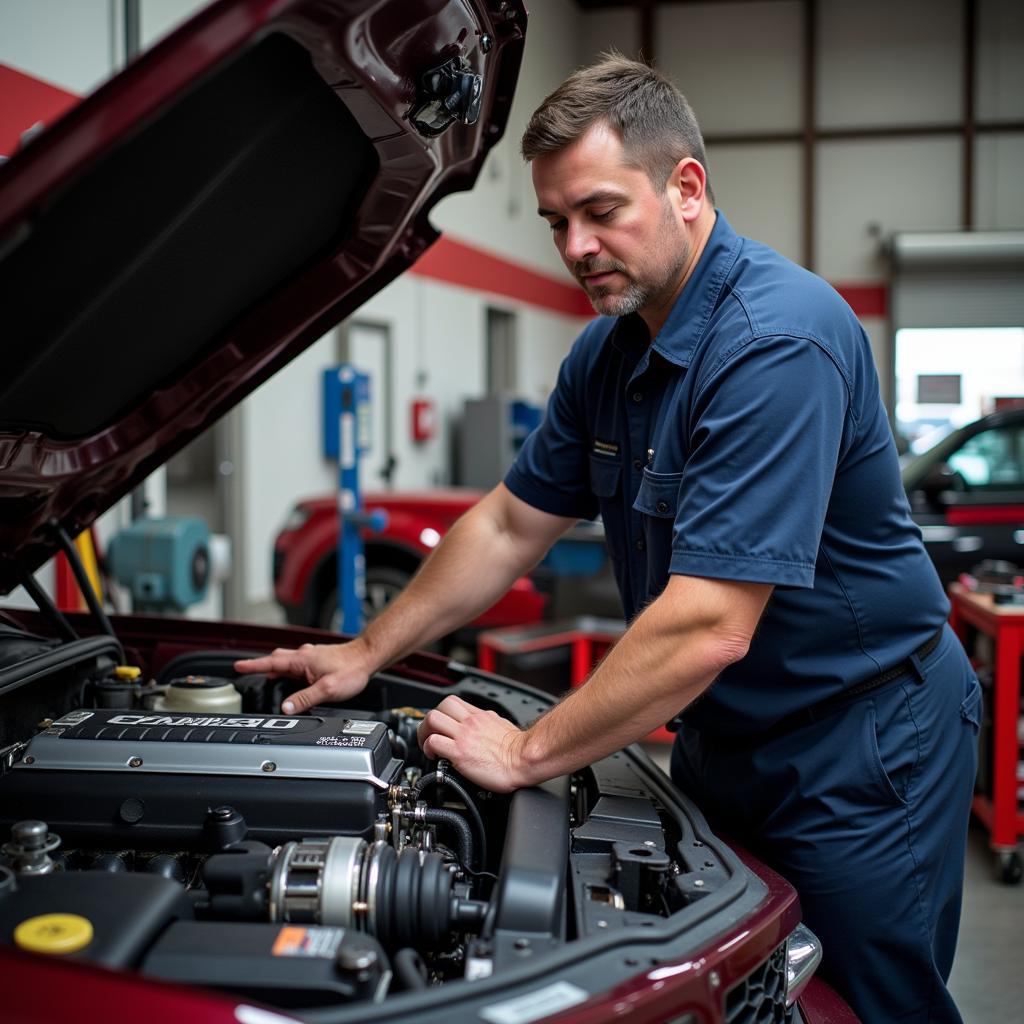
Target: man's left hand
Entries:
(482, 745)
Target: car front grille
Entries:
(760, 998)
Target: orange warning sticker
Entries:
(316, 942)
(288, 941)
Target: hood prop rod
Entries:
(45, 604)
(84, 583)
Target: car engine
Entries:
(300, 860)
(175, 825)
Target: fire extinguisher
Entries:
(424, 419)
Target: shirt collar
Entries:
(689, 317)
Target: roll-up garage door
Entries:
(957, 279)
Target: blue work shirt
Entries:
(748, 441)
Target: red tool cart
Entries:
(999, 809)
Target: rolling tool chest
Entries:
(997, 804)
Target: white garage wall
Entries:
(158, 17)
(885, 63)
(999, 77)
(867, 189)
(737, 63)
(999, 180)
(760, 190)
(602, 29)
(76, 44)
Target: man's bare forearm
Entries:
(480, 557)
(666, 659)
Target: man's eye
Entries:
(556, 225)
(604, 214)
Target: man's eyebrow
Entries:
(600, 196)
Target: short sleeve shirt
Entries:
(747, 441)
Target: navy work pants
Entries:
(864, 811)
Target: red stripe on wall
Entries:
(458, 263)
(865, 299)
(27, 100)
(467, 265)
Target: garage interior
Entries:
(878, 144)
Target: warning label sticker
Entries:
(316, 942)
(74, 718)
(541, 1003)
(360, 727)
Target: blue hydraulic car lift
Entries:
(347, 437)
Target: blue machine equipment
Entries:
(347, 437)
(164, 562)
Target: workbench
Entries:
(1000, 810)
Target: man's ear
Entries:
(687, 187)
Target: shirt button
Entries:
(638, 464)
(640, 545)
(662, 506)
(638, 396)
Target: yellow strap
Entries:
(87, 553)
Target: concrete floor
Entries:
(988, 974)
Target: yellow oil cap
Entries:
(55, 934)
(127, 673)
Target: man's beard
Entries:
(639, 292)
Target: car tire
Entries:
(1009, 867)
(383, 584)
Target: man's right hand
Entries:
(333, 672)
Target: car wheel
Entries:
(383, 584)
(1009, 867)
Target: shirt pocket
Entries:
(656, 501)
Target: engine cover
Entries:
(146, 779)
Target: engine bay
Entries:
(174, 824)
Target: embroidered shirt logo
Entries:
(606, 447)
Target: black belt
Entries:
(805, 716)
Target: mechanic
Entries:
(723, 416)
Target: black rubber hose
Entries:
(45, 604)
(398, 745)
(409, 969)
(441, 777)
(437, 816)
(423, 783)
(84, 583)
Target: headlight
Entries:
(297, 518)
(803, 954)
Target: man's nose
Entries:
(580, 243)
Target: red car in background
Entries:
(306, 567)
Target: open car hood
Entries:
(207, 214)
